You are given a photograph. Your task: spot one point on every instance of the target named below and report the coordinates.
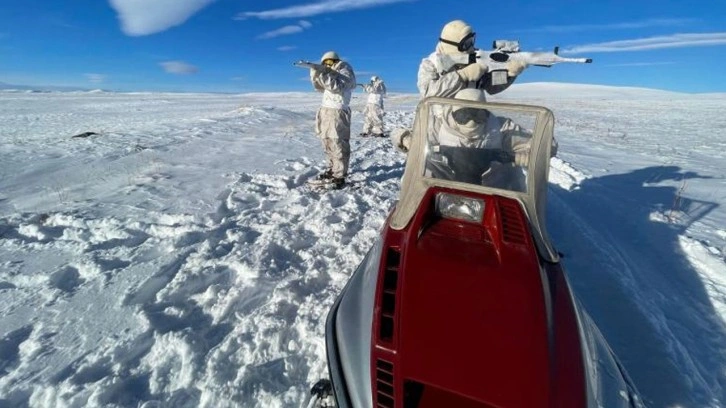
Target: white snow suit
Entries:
(332, 122)
(497, 133)
(435, 79)
(373, 113)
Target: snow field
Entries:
(178, 259)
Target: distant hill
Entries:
(529, 90)
(569, 91)
(39, 88)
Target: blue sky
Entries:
(249, 46)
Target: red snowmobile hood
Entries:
(478, 321)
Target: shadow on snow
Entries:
(632, 276)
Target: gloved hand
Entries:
(515, 67)
(472, 72)
(521, 154)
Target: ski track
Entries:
(222, 301)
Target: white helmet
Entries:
(330, 55)
(374, 78)
(471, 94)
(456, 36)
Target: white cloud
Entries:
(301, 26)
(179, 67)
(653, 22)
(95, 78)
(286, 30)
(286, 48)
(653, 43)
(144, 17)
(314, 9)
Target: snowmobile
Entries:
(463, 300)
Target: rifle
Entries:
(503, 52)
(312, 65)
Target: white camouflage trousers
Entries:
(333, 128)
(373, 122)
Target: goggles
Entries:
(464, 115)
(466, 43)
(329, 62)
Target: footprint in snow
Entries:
(7, 285)
(10, 348)
(67, 279)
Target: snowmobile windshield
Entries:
(487, 148)
(479, 146)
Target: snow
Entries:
(176, 258)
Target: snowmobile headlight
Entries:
(458, 207)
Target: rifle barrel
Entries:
(578, 60)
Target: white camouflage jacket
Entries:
(376, 91)
(336, 84)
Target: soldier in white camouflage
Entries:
(436, 79)
(373, 113)
(336, 80)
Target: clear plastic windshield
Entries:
(482, 147)
(479, 146)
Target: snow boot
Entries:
(326, 175)
(337, 183)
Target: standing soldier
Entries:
(435, 78)
(458, 39)
(373, 122)
(336, 80)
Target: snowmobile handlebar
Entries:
(465, 164)
(467, 154)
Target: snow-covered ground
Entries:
(176, 259)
